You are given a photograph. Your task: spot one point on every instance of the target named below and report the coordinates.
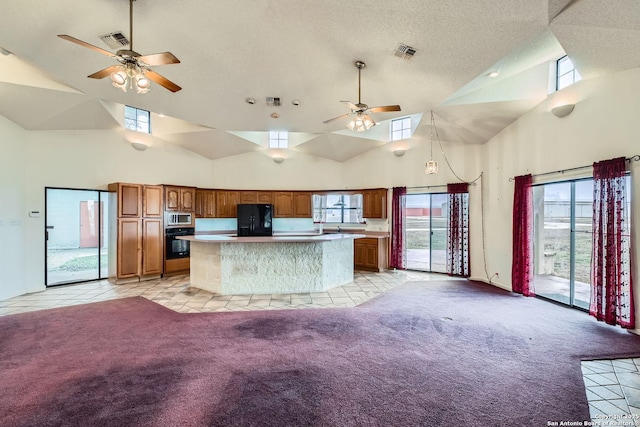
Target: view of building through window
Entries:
(137, 119)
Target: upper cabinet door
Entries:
(226, 203)
(302, 205)
(187, 199)
(129, 200)
(152, 201)
(172, 198)
(283, 204)
(179, 198)
(264, 197)
(375, 203)
(248, 197)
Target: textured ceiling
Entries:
(304, 50)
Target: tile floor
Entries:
(612, 386)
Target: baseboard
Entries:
(492, 283)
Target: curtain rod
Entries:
(628, 159)
(436, 186)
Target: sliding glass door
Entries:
(563, 214)
(426, 232)
(75, 235)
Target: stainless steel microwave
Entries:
(178, 219)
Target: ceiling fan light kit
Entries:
(133, 69)
(362, 120)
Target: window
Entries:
(401, 129)
(137, 119)
(563, 236)
(337, 208)
(566, 73)
(278, 139)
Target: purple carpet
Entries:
(424, 354)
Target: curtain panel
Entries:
(398, 232)
(611, 287)
(458, 230)
(522, 237)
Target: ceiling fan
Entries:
(133, 68)
(362, 120)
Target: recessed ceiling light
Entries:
(493, 73)
(250, 100)
(296, 102)
(275, 115)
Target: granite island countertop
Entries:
(276, 238)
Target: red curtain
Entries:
(458, 229)
(398, 206)
(522, 261)
(611, 288)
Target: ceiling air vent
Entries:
(273, 102)
(405, 51)
(115, 40)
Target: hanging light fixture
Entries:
(130, 75)
(361, 122)
(431, 167)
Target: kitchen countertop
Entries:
(276, 238)
(361, 233)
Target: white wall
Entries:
(12, 210)
(256, 171)
(603, 125)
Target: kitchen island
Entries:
(279, 264)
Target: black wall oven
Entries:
(177, 248)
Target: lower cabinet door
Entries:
(129, 247)
(152, 246)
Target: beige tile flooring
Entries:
(612, 386)
(174, 292)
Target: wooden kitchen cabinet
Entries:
(128, 199)
(292, 204)
(137, 232)
(374, 203)
(227, 203)
(129, 247)
(152, 201)
(205, 205)
(265, 197)
(181, 199)
(152, 246)
(302, 205)
(370, 254)
(282, 204)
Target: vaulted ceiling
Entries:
(305, 50)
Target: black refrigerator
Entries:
(255, 220)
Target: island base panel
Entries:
(271, 268)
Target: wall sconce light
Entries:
(278, 159)
(399, 152)
(563, 110)
(139, 146)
